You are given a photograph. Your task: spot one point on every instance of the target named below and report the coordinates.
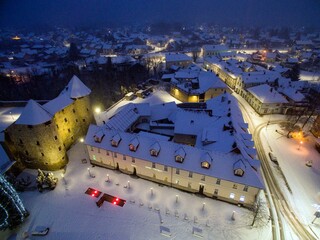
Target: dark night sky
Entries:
(23, 13)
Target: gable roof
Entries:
(33, 114)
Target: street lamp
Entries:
(97, 110)
(300, 145)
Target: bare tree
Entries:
(261, 214)
(195, 54)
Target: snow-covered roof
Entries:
(125, 116)
(222, 168)
(205, 80)
(58, 103)
(267, 94)
(76, 88)
(174, 57)
(33, 114)
(216, 48)
(207, 129)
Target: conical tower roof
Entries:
(33, 114)
(76, 88)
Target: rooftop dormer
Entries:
(155, 149)
(180, 155)
(206, 161)
(98, 136)
(115, 140)
(134, 144)
(239, 168)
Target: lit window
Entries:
(239, 172)
(94, 157)
(131, 147)
(232, 195)
(242, 199)
(179, 159)
(153, 153)
(205, 165)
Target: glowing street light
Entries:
(81, 140)
(300, 145)
(97, 110)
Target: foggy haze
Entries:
(35, 13)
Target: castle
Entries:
(42, 134)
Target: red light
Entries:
(92, 195)
(114, 203)
(117, 199)
(95, 191)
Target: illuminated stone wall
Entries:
(38, 146)
(44, 146)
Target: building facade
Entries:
(189, 149)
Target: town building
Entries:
(199, 147)
(196, 85)
(177, 60)
(42, 134)
(266, 100)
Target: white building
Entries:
(204, 149)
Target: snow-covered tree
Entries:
(12, 211)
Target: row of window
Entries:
(165, 168)
(66, 120)
(38, 143)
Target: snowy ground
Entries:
(302, 180)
